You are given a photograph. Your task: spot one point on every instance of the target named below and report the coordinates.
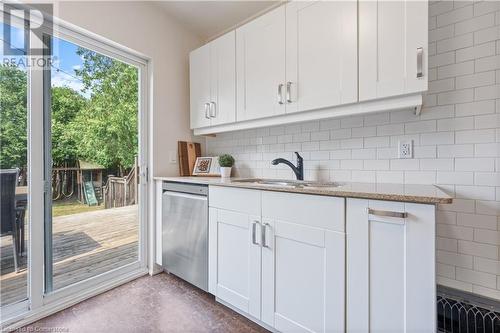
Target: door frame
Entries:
(39, 304)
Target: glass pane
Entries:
(13, 164)
(94, 145)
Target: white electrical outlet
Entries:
(172, 157)
(405, 149)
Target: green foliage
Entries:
(226, 160)
(13, 117)
(102, 129)
(107, 127)
(66, 105)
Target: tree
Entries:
(66, 105)
(106, 128)
(102, 129)
(13, 117)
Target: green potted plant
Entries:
(226, 162)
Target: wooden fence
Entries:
(121, 191)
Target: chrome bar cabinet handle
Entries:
(386, 213)
(288, 92)
(264, 234)
(280, 93)
(254, 233)
(420, 55)
(213, 110)
(207, 105)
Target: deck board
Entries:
(84, 245)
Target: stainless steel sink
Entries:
(285, 182)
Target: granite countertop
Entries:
(426, 194)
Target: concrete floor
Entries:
(162, 303)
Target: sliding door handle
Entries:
(280, 93)
(420, 56)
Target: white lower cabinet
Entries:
(303, 262)
(285, 266)
(309, 263)
(390, 267)
(238, 260)
(234, 249)
(302, 278)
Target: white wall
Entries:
(456, 144)
(146, 28)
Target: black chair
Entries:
(8, 213)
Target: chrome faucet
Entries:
(298, 170)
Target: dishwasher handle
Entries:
(185, 195)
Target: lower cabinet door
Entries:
(390, 267)
(302, 277)
(235, 269)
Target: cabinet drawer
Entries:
(235, 199)
(311, 210)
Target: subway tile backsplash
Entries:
(456, 144)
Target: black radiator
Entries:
(459, 312)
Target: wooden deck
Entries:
(84, 245)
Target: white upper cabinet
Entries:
(260, 61)
(199, 81)
(310, 60)
(393, 46)
(321, 54)
(223, 79)
(213, 82)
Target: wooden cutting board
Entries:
(188, 152)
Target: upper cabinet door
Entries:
(392, 48)
(260, 66)
(321, 54)
(199, 81)
(223, 79)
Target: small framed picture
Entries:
(206, 166)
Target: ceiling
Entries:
(210, 18)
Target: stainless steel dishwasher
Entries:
(185, 232)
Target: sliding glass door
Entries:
(13, 164)
(73, 158)
(93, 159)
(92, 144)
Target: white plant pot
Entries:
(225, 172)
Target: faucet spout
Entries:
(298, 170)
